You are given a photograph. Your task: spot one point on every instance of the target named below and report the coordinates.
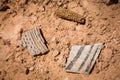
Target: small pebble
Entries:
(97, 71)
(56, 53)
(113, 60)
(105, 66)
(31, 68)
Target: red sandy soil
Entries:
(102, 26)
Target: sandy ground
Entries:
(102, 26)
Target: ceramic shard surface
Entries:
(82, 58)
(34, 42)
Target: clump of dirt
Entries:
(102, 26)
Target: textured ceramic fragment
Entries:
(34, 42)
